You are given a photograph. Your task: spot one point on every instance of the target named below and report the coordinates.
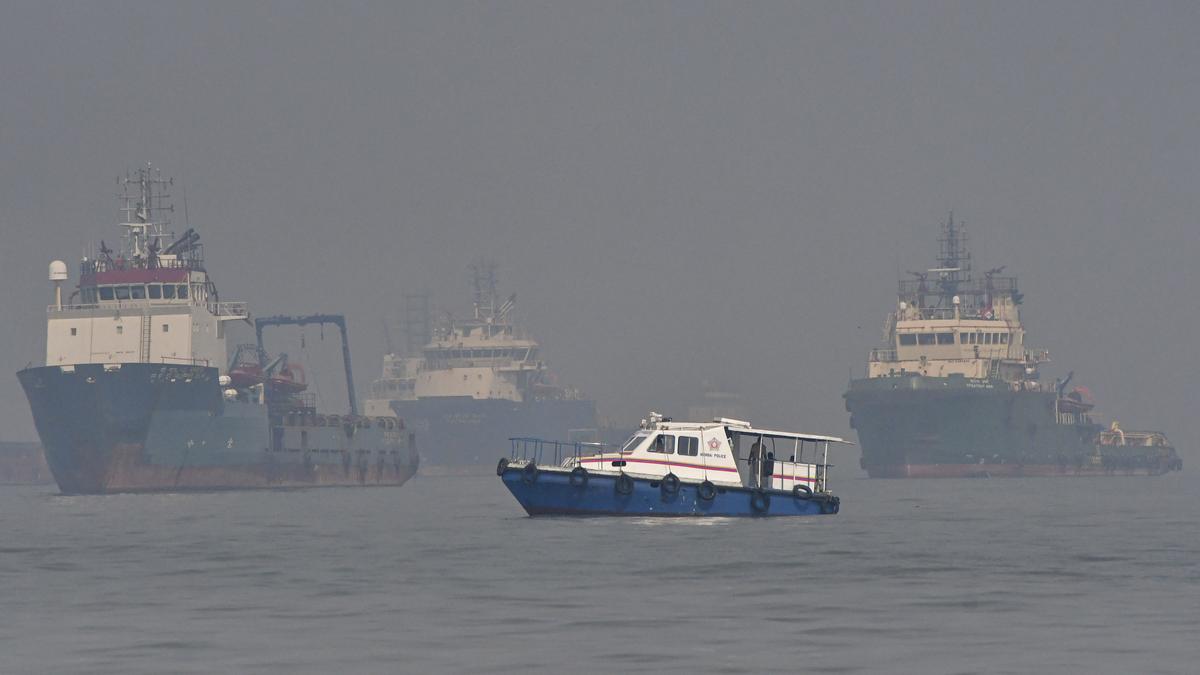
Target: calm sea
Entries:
(447, 575)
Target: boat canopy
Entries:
(768, 433)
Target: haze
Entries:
(677, 192)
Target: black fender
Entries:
(706, 491)
(760, 501)
(670, 484)
(578, 477)
(501, 467)
(623, 485)
(802, 491)
(529, 473)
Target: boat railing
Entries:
(543, 451)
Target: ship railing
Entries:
(185, 360)
(218, 308)
(883, 354)
(236, 309)
(545, 452)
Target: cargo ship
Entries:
(136, 394)
(465, 384)
(955, 391)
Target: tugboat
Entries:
(721, 468)
(462, 382)
(956, 392)
(135, 395)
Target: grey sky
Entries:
(676, 191)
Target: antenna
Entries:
(183, 188)
(144, 198)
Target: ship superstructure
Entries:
(152, 301)
(955, 390)
(135, 394)
(475, 380)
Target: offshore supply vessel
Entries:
(135, 394)
(956, 392)
(465, 384)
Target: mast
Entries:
(483, 282)
(144, 198)
(954, 260)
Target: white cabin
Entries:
(724, 452)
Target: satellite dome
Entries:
(58, 271)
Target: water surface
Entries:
(446, 574)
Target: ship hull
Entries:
(142, 427)
(927, 427)
(461, 434)
(552, 492)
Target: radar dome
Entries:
(58, 271)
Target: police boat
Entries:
(721, 468)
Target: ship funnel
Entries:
(58, 274)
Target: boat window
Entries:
(963, 338)
(632, 443)
(908, 339)
(155, 291)
(106, 292)
(1004, 338)
(181, 292)
(945, 338)
(122, 292)
(137, 292)
(925, 338)
(663, 443)
(168, 291)
(689, 445)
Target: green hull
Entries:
(918, 426)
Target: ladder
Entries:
(144, 356)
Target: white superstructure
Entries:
(949, 323)
(151, 302)
(482, 357)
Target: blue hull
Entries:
(464, 432)
(551, 493)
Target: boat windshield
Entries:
(634, 441)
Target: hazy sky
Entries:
(675, 191)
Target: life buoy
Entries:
(760, 501)
(578, 477)
(624, 485)
(670, 484)
(502, 466)
(802, 491)
(706, 491)
(529, 473)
